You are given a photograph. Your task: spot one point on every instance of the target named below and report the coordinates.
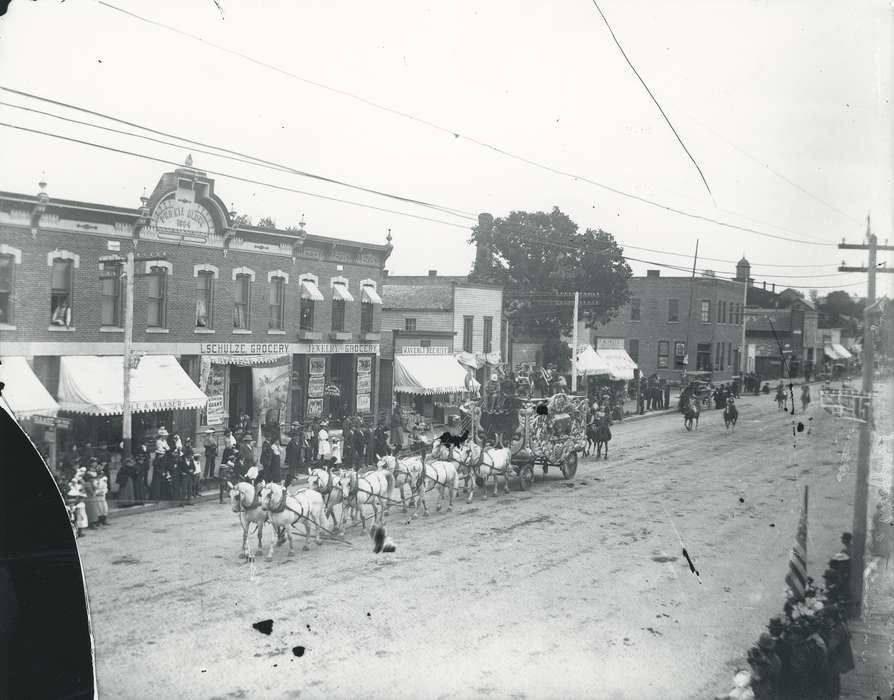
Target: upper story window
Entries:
(634, 309)
(204, 299)
(61, 283)
(663, 353)
(310, 296)
(409, 324)
(156, 297)
(7, 285)
(369, 297)
(424, 343)
(110, 291)
(488, 333)
(338, 314)
(366, 317)
(705, 311)
(468, 326)
(277, 292)
(673, 310)
(340, 297)
(242, 302)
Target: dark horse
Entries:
(690, 413)
(730, 414)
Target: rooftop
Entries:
(421, 297)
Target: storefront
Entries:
(31, 405)
(429, 384)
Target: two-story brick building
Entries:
(431, 322)
(272, 324)
(664, 334)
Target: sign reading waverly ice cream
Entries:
(175, 219)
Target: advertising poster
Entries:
(213, 380)
(364, 365)
(314, 408)
(364, 383)
(315, 387)
(317, 366)
(363, 403)
(271, 393)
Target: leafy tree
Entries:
(814, 298)
(557, 352)
(242, 220)
(840, 310)
(547, 252)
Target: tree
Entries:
(546, 252)
(840, 310)
(557, 352)
(242, 220)
(814, 298)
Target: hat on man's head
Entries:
(209, 430)
(162, 432)
(246, 437)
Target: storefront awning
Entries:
(621, 364)
(94, 385)
(589, 363)
(370, 295)
(843, 353)
(428, 374)
(23, 392)
(830, 353)
(309, 290)
(340, 291)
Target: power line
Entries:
(458, 135)
(243, 158)
(731, 262)
(639, 77)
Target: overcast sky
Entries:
(802, 87)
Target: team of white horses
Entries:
(313, 507)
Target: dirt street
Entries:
(574, 589)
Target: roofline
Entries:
(385, 307)
(421, 334)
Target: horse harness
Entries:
(251, 506)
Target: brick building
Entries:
(438, 318)
(656, 324)
(273, 324)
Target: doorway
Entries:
(342, 376)
(241, 398)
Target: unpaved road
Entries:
(570, 590)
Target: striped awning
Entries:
(428, 374)
(95, 385)
(842, 351)
(830, 353)
(23, 392)
(369, 294)
(309, 290)
(340, 291)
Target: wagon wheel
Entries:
(526, 476)
(569, 466)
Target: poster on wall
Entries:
(364, 383)
(271, 393)
(363, 403)
(315, 387)
(215, 410)
(213, 380)
(364, 365)
(317, 365)
(314, 408)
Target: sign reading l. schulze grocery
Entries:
(244, 348)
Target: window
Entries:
(204, 299)
(366, 317)
(155, 297)
(673, 310)
(663, 352)
(242, 306)
(634, 309)
(706, 311)
(703, 357)
(424, 343)
(729, 354)
(110, 292)
(718, 355)
(633, 349)
(306, 321)
(7, 271)
(488, 333)
(338, 314)
(409, 324)
(679, 355)
(467, 333)
(60, 293)
(719, 312)
(277, 291)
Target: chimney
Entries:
(765, 285)
(774, 288)
(484, 241)
(653, 273)
(432, 273)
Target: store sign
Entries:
(419, 350)
(315, 387)
(324, 348)
(364, 384)
(244, 348)
(50, 422)
(609, 343)
(188, 220)
(215, 410)
(314, 408)
(318, 365)
(362, 403)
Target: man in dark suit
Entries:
(295, 452)
(266, 457)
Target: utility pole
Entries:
(574, 344)
(743, 353)
(861, 496)
(688, 357)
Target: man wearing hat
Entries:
(397, 427)
(246, 453)
(90, 502)
(294, 452)
(210, 445)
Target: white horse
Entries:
(326, 482)
(244, 500)
(451, 453)
(488, 463)
(357, 490)
(434, 474)
(400, 472)
(285, 510)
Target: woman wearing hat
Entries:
(324, 447)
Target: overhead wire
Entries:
(456, 134)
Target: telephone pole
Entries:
(861, 496)
(574, 343)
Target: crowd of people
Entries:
(654, 394)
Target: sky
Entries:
(771, 98)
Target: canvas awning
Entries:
(370, 295)
(590, 363)
(340, 291)
(830, 353)
(23, 392)
(94, 385)
(622, 365)
(309, 290)
(843, 353)
(428, 374)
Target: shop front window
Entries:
(61, 293)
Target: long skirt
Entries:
(102, 506)
(126, 492)
(80, 516)
(92, 508)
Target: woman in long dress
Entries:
(125, 479)
(324, 447)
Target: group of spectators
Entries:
(654, 394)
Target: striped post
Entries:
(796, 579)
